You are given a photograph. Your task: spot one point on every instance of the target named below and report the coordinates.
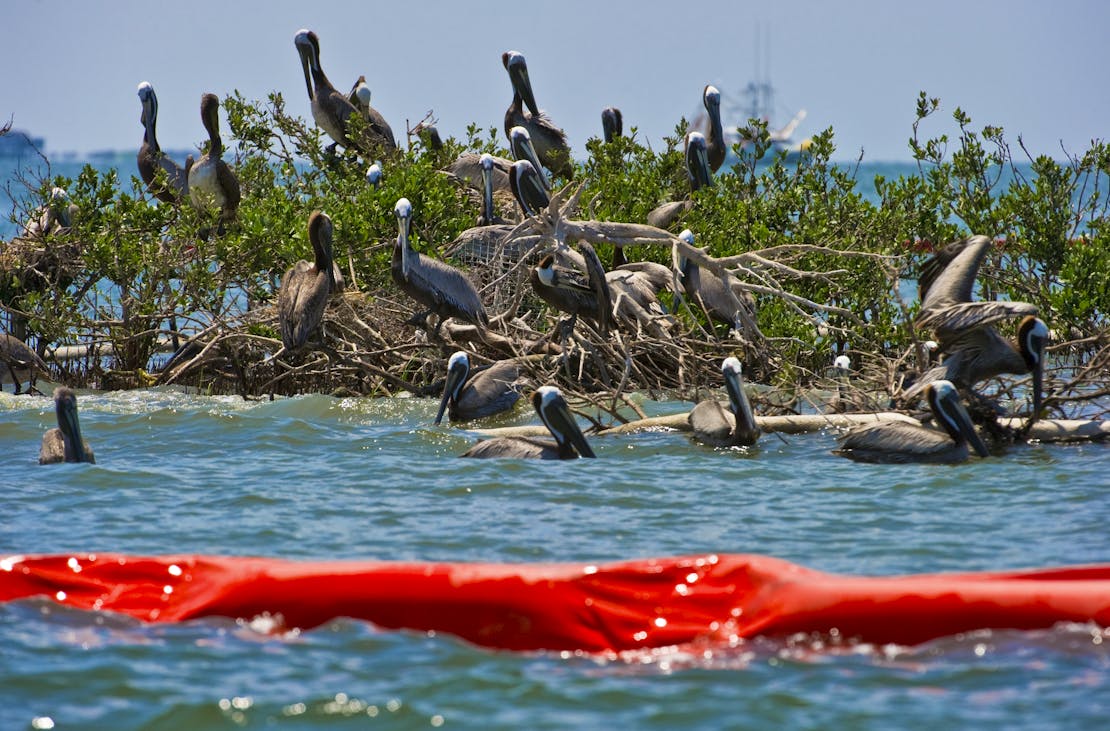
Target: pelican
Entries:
(332, 110)
(974, 351)
(634, 288)
(64, 443)
(374, 175)
(55, 218)
(569, 442)
(715, 146)
(305, 288)
(523, 149)
(440, 287)
(719, 427)
(20, 363)
(697, 170)
(212, 184)
(550, 141)
(175, 187)
(489, 392)
(479, 244)
(468, 169)
(612, 123)
(897, 442)
(568, 290)
(711, 294)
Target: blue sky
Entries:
(1037, 69)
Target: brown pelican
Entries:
(305, 288)
(896, 442)
(374, 175)
(54, 218)
(572, 291)
(468, 169)
(19, 363)
(612, 123)
(719, 427)
(175, 186)
(710, 291)
(715, 145)
(550, 141)
(523, 149)
(973, 350)
(332, 110)
(64, 443)
(569, 442)
(697, 170)
(490, 391)
(212, 184)
(634, 289)
(440, 287)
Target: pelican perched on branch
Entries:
(19, 363)
(572, 291)
(973, 350)
(896, 441)
(490, 391)
(733, 427)
(306, 287)
(440, 287)
(212, 184)
(715, 144)
(569, 442)
(724, 301)
(697, 170)
(64, 442)
(332, 110)
(550, 141)
(175, 187)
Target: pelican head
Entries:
(612, 123)
(545, 270)
(556, 416)
(944, 401)
(362, 91)
(65, 406)
(697, 161)
(320, 231)
(374, 174)
(527, 188)
(1032, 339)
(514, 63)
(523, 149)
(734, 385)
(403, 212)
(458, 370)
(842, 363)
(712, 100)
(308, 46)
(149, 102)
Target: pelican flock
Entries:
(629, 300)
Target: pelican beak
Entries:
(527, 188)
(523, 149)
(457, 371)
(734, 384)
(307, 51)
(518, 75)
(1037, 338)
(404, 214)
(697, 162)
(67, 412)
(560, 422)
(963, 423)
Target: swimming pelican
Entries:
(974, 351)
(612, 123)
(550, 141)
(490, 391)
(715, 146)
(332, 110)
(897, 441)
(20, 363)
(572, 291)
(569, 442)
(175, 187)
(440, 287)
(212, 184)
(719, 427)
(305, 288)
(63, 443)
(697, 170)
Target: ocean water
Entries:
(315, 477)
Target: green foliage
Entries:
(826, 266)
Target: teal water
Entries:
(325, 478)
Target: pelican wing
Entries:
(301, 303)
(952, 321)
(513, 447)
(897, 442)
(712, 423)
(949, 276)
